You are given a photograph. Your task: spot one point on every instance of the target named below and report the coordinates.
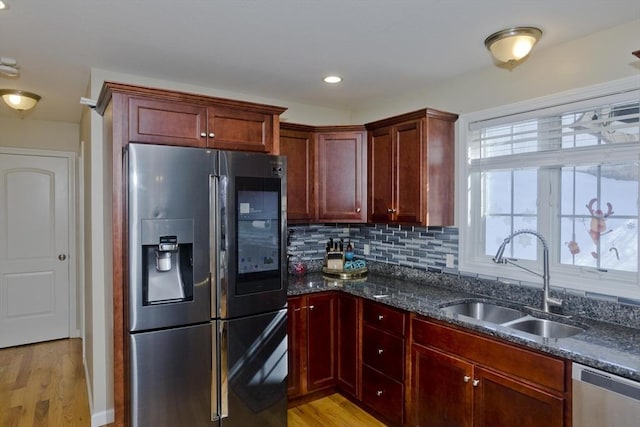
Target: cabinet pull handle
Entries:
(212, 135)
(203, 134)
(379, 393)
(380, 351)
(475, 383)
(466, 378)
(297, 309)
(380, 316)
(390, 210)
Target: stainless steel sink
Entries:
(485, 311)
(546, 328)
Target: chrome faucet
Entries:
(547, 300)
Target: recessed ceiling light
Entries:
(332, 79)
(3, 5)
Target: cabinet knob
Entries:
(311, 307)
(380, 316)
(203, 134)
(380, 351)
(358, 210)
(379, 393)
(391, 210)
(475, 383)
(466, 378)
(212, 135)
(62, 257)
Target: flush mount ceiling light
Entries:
(3, 5)
(332, 79)
(512, 44)
(19, 99)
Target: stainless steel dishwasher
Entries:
(601, 399)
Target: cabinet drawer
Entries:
(383, 394)
(383, 317)
(538, 368)
(383, 351)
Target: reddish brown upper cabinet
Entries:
(297, 145)
(327, 172)
(176, 118)
(342, 174)
(411, 161)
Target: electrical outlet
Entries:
(367, 249)
(345, 231)
(449, 261)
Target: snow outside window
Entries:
(567, 167)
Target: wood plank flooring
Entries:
(43, 385)
(331, 411)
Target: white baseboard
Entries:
(101, 418)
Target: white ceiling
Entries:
(278, 49)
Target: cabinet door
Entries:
(240, 130)
(500, 401)
(320, 341)
(380, 180)
(296, 342)
(299, 149)
(409, 163)
(440, 171)
(341, 177)
(164, 122)
(347, 343)
(442, 389)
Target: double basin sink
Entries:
(514, 319)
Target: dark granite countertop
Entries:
(610, 347)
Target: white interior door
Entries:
(34, 245)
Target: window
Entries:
(567, 167)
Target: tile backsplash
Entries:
(416, 247)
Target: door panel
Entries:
(410, 159)
(34, 266)
(254, 360)
(171, 373)
(380, 175)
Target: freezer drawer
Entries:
(254, 370)
(171, 377)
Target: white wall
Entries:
(594, 59)
(597, 58)
(39, 134)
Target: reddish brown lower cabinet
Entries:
(296, 334)
(460, 379)
(312, 343)
(383, 360)
(347, 343)
(320, 341)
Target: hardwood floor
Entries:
(331, 411)
(43, 385)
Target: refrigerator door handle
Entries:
(215, 402)
(214, 245)
(224, 370)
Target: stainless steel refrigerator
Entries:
(207, 287)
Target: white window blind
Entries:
(605, 124)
